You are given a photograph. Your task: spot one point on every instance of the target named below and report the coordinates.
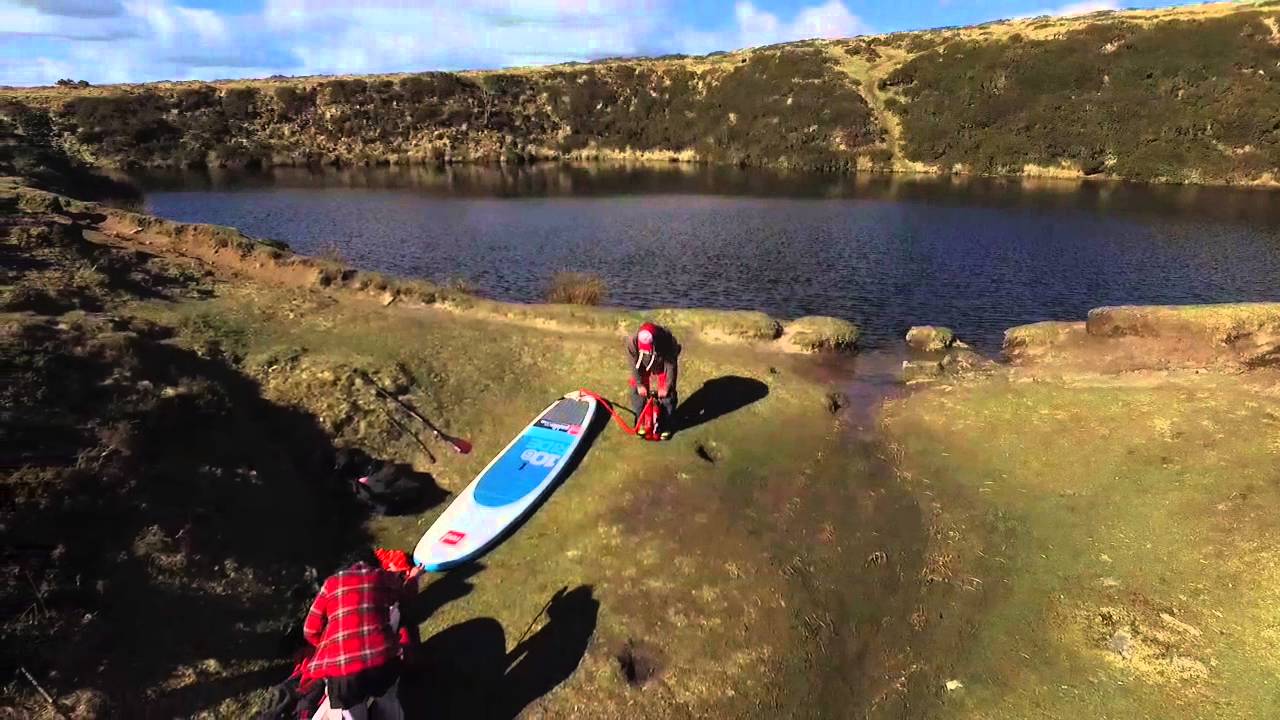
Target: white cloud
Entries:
(755, 27)
(386, 36)
(145, 40)
(174, 24)
(1075, 8)
(829, 20)
(166, 39)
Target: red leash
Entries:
(650, 408)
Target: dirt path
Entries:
(869, 74)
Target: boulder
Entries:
(836, 401)
(37, 202)
(930, 338)
(1028, 340)
(816, 333)
(914, 371)
(963, 361)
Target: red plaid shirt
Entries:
(349, 622)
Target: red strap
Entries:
(609, 406)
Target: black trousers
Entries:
(380, 684)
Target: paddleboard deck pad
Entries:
(509, 487)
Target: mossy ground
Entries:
(724, 553)
(1079, 545)
(1117, 537)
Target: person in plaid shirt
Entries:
(357, 649)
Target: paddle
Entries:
(462, 446)
(408, 433)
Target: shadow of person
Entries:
(466, 670)
(717, 397)
(451, 586)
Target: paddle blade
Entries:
(462, 446)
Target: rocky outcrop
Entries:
(1029, 341)
(930, 338)
(816, 333)
(1156, 336)
(944, 355)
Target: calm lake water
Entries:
(885, 252)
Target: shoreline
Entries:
(822, 538)
(624, 160)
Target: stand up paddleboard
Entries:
(509, 486)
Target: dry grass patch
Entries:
(577, 288)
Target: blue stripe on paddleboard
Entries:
(523, 467)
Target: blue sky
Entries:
(105, 41)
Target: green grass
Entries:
(1083, 510)
(688, 556)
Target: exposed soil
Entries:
(639, 663)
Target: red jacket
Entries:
(350, 624)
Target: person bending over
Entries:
(351, 624)
(655, 368)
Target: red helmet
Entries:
(644, 338)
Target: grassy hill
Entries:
(1179, 95)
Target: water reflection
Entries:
(1260, 205)
(884, 251)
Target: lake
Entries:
(886, 252)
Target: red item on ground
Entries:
(393, 560)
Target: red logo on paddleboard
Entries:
(453, 537)
(575, 429)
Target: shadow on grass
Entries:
(719, 397)
(453, 585)
(467, 672)
(173, 518)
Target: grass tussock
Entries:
(817, 333)
(331, 252)
(577, 288)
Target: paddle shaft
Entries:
(400, 426)
(461, 446)
(535, 619)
